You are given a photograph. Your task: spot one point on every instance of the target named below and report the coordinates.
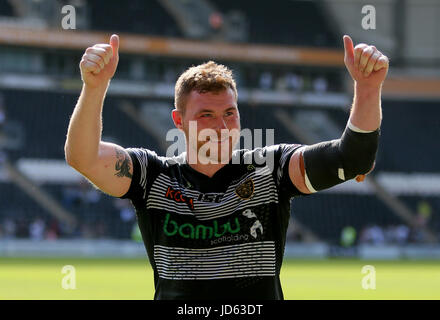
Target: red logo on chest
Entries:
(177, 196)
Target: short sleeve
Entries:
(285, 184)
(144, 167)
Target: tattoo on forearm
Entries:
(122, 165)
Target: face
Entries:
(211, 124)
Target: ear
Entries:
(177, 118)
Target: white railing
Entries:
(130, 249)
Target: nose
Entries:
(221, 124)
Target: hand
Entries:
(98, 64)
(366, 65)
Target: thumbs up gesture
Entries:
(98, 64)
(366, 65)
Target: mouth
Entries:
(219, 141)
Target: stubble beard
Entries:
(202, 150)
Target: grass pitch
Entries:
(109, 279)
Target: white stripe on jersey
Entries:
(265, 191)
(233, 261)
(141, 155)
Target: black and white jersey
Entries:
(219, 237)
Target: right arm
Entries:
(107, 165)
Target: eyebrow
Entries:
(231, 108)
(212, 111)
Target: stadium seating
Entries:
(45, 118)
(408, 127)
(135, 16)
(285, 22)
(19, 209)
(6, 9)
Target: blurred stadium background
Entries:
(288, 62)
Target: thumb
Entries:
(349, 49)
(114, 42)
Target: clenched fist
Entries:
(367, 65)
(98, 64)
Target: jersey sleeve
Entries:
(282, 159)
(145, 166)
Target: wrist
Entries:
(354, 128)
(98, 89)
(360, 87)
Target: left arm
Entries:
(368, 67)
(323, 165)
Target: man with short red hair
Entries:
(214, 219)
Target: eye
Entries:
(229, 113)
(206, 115)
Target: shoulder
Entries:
(148, 157)
(276, 151)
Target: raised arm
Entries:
(323, 165)
(107, 165)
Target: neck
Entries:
(208, 169)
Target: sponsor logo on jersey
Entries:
(199, 231)
(177, 196)
(245, 190)
(248, 213)
(210, 197)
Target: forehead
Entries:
(211, 100)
